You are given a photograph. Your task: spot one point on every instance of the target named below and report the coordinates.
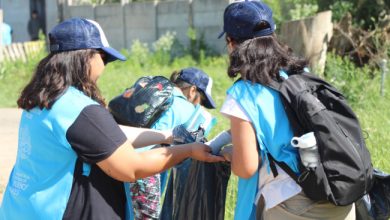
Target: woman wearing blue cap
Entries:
(259, 124)
(72, 156)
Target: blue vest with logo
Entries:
(41, 180)
(265, 110)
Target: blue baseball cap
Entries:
(241, 18)
(202, 81)
(80, 33)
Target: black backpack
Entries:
(143, 103)
(344, 173)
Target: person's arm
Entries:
(97, 139)
(141, 137)
(127, 165)
(245, 156)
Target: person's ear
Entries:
(230, 43)
(192, 93)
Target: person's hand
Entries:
(168, 137)
(226, 152)
(202, 152)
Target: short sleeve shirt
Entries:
(55, 175)
(94, 136)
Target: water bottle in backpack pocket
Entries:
(308, 151)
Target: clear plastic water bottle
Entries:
(308, 151)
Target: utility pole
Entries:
(383, 65)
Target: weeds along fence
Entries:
(21, 51)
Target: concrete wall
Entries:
(52, 15)
(147, 21)
(309, 38)
(16, 13)
(173, 16)
(208, 20)
(140, 22)
(111, 18)
(84, 11)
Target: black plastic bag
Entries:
(376, 204)
(196, 191)
(143, 103)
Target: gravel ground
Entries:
(9, 123)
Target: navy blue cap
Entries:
(80, 33)
(241, 18)
(202, 81)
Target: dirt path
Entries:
(9, 123)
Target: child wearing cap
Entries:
(192, 87)
(72, 156)
(259, 124)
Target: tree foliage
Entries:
(365, 12)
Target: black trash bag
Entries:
(143, 103)
(196, 191)
(364, 209)
(376, 204)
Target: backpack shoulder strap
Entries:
(282, 165)
(273, 84)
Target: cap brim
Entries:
(208, 102)
(221, 34)
(113, 54)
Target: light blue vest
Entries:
(265, 110)
(41, 180)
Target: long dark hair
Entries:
(57, 72)
(260, 59)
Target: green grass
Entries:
(361, 87)
(373, 111)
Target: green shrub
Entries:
(163, 47)
(364, 12)
(340, 8)
(14, 76)
(139, 52)
(348, 78)
(303, 10)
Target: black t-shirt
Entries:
(94, 136)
